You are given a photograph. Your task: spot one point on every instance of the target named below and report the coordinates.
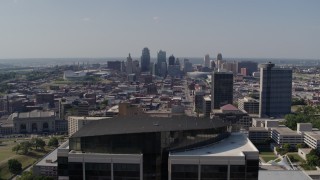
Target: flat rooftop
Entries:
(33, 114)
(286, 131)
(258, 129)
(234, 145)
(207, 98)
(50, 159)
(279, 175)
(86, 118)
(144, 123)
(269, 119)
(313, 134)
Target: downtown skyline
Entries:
(95, 29)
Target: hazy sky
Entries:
(185, 28)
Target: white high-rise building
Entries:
(206, 61)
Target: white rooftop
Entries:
(234, 145)
(49, 160)
(282, 175)
(86, 117)
(313, 134)
(32, 114)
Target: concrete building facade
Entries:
(33, 122)
(248, 104)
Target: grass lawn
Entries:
(278, 160)
(26, 160)
(268, 158)
(5, 150)
(266, 153)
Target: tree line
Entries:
(304, 114)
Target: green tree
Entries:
(14, 166)
(304, 114)
(297, 101)
(313, 160)
(25, 147)
(53, 142)
(38, 143)
(61, 139)
(104, 104)
(286, 147)
(16, 148)
(27, 175)
(298, 146)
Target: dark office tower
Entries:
(114, 65)
(219, 57)
(172, 60)
(219, 61)
(212, 64)
(177, 62)
(222, 89)
(249, 65)
(145, 60)
(161, 70)
(161, 57)
(275, 90)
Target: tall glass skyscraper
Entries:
(129, 65)
(172, 60)
(222, 89)
(275, 90)
(145, 60)
(161, 66)
(161, 57)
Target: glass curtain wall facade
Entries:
(154, 146)
(215, 172)
(222, 89)
(275, 91)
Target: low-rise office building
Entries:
(312, 139)
(284, 135)
(258, 134)
(235, 117)
(248, 104)
(77, 122)
(264, 128)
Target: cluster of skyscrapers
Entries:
(275, 90)
(176, 147)
(162, 67)
(275, 83)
